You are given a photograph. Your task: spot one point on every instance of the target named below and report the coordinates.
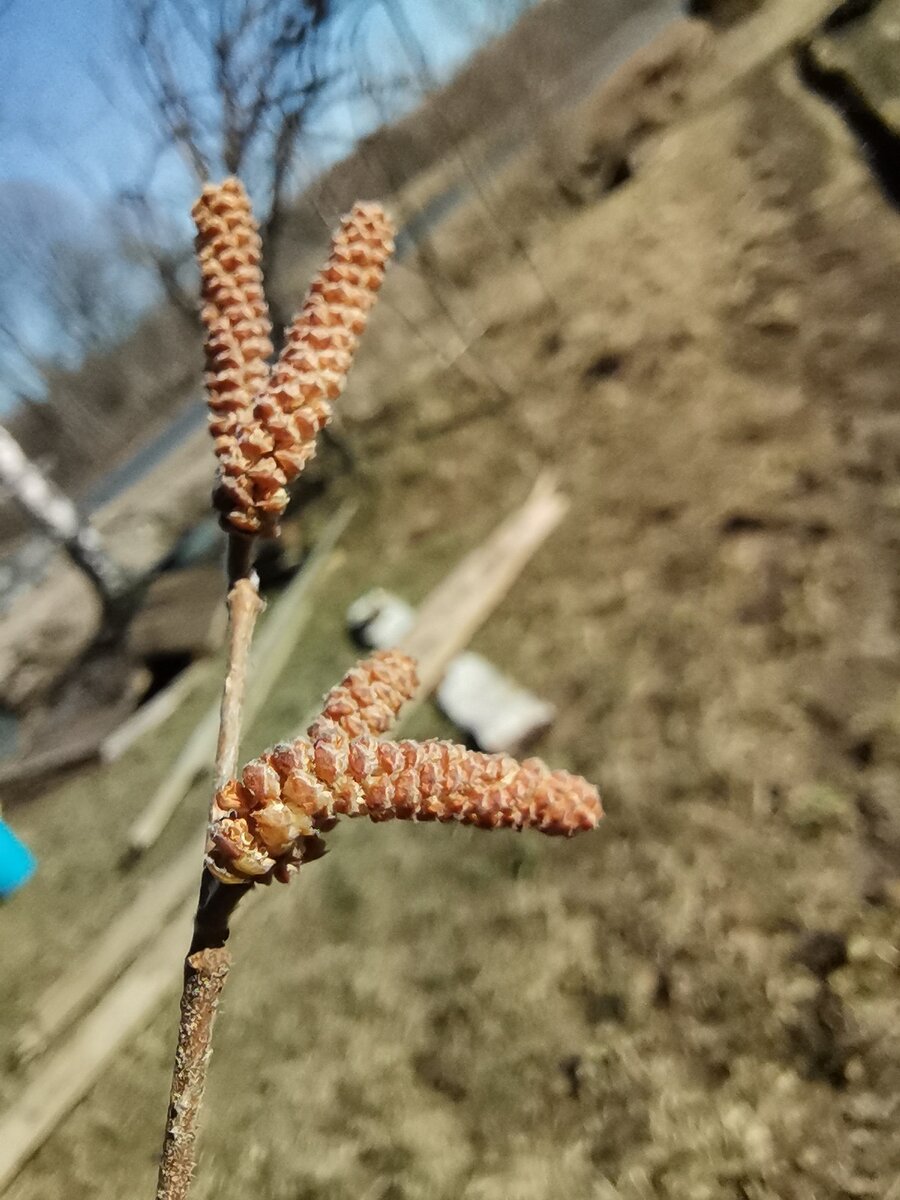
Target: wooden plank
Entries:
(81, 745)
(152, 714)
(464, 599)
(195, 757)
(33, 767)
(67, 998)
(61, 1081)
(460, 604)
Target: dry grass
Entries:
(717, 621)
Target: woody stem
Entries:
(207, 964)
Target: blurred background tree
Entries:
(235, 86)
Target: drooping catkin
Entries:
(269, 820)
(234, 312)
(266, 452)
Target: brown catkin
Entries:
(234, 311)
(269, 820)
(369, 697)
(266, 451)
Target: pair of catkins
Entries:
(264, 419)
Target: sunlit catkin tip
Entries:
(369, 697)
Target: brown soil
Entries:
(702, 1000)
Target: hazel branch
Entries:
(244, 606)
(264, 431)
(204, 978)
(208, 963)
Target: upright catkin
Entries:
(234, 313)
(268, 447)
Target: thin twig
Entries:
(244, 606)
(239, 563)
(207, 964)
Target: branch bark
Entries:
(244, 605)
(204, 977)
(208, 962)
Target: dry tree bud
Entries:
(267, 450)
(271, 817)
(234, 312)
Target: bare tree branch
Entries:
(234, 87)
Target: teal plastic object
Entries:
(17, 863)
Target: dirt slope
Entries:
(702, 1000)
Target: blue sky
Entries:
(55, 124)
(71, 118)
(74, 135)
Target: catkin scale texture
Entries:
(265, 440)
(369, 697)
(234, 312)
(270, 818)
